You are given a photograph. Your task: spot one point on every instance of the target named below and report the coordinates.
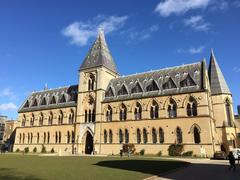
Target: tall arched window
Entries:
(179, 135)
(23, 138)
(91, 82)
(50, 119)
(228, 112)
(38, 136)
(192, 107)
(68, 137)
(123, 113)
(138, 111)
(105, 136)
(73, 137)
(145, 136)
(138, 136)
(152, 86)
(56, 137)
(28, 136)
(86, 116)
(71, 117)
(24, 121)
(44, 138)
(41, 119)
(172, 109)
(123, 91)
(154, 136)
(109, 114)
(31, 137)
(161, 135)
(32, 120)
(48, 137)
(154, 110)
(137, 89)
(110, 136)
(20, 138)
(60, 117)
(120, 136)
(196, 133)
(60, 137)
(126, 136)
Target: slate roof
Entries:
(99, 55)
(217, 82)
(194, 72)
(65, 97)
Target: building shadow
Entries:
(151, 167)
(10, 174)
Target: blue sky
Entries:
(46, 41)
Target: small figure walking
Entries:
(231, 161)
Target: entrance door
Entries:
(89, 144)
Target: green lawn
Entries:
(33, 167)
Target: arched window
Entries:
(154, 136)
(105, 136)
(120, 136)
(28, 136)
(60, 118)
(86, 116)
(93, 115)
(138, 136)
(196, 133)
(50, 119)
(152, 86)
(109, 93)
(60, 137)
(24, 121)
(145, 136)
(63, 99)
(161, 135)
(109, 114)
(44, 138)
(122, 91)
(48, 138)
(154, 110)
(169, 84)
(126, 136)
(138, 111)
(31, 138)
(26, 105)
(228, 112)
(188, 81)
(179, 135)
(38, 138)
(41, 119)
(44, 102)
(71, 117)
(53, 100)
(23, 138)
(192, 107)
(56, 137)
(68, 137)
(123, 113)
(20, 138)
(137, 89)
(73, 137)
(172, 109)
(35, 103)
(32, 120)
(91, 82)
(110, 136)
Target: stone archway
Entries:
(88, 143)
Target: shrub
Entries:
(43, 149)
(52, 150)
(175, 150)
(18, 150)
(159, 153)
(35, 150)
(26, 149)
(129, 148)
(142, 152)
(188, 153)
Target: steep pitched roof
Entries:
(160, 77)
(217, 82)
(99, 55)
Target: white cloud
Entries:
(134, 35)
(8, 93)
(192, 50)
(81, 32)
(168, 7)
(8, 107)
(197, 23)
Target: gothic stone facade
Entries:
(187, 105)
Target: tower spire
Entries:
(99, 54)
(216, 78)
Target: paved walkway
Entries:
(202, 169)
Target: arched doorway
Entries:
(89, 143)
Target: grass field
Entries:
(33, 167)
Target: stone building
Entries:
(187, 104)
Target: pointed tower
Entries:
(97, 69)
(222, 106)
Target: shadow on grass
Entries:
(10, 174)
(152, 167)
